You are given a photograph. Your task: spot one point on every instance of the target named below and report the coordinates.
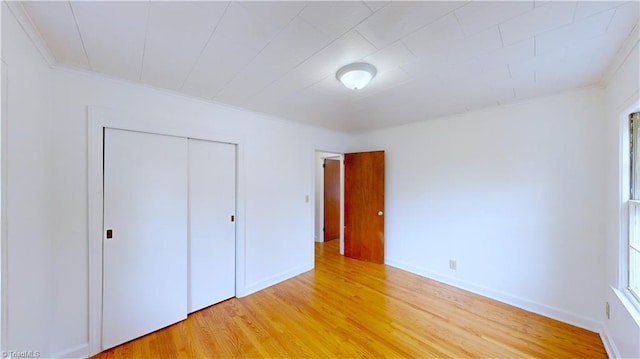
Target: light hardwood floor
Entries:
(347, 309)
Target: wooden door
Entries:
(212, 236)
(364, 206)
(145, 234)
(331, 199)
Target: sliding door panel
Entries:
(212, 241)
(145, 237)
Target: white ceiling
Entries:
(434, 58)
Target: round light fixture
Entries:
(357, 75)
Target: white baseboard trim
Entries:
(81, 351)
(522, 303)
(609, 345)
(274, 279)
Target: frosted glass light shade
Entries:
(357, 75)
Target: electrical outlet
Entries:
(607, 310)
(452, 264)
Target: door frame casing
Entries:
(4, 227)
(100, 118)
(314, 167)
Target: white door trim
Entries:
(4, 273)
(100, 118)
(338, 152)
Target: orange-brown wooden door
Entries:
(331, 199)
(364, 206)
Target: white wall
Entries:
(622, 94)
(513, 194)
(48, 269)
(276, 169)
(29, 202)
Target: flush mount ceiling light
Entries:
(357, 75)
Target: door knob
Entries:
(380, 213)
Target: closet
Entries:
(169, 230)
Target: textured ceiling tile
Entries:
(239, 37)
(272, 95)
(293, 45)
(176, 35)
(114, 35)
(474, 45)
(272, 15)
(296, 43)
(347, 49)
(561, 73)
(383, 83)
(498, 83)
(588, 8)
(281, 57)
(625, 18)
(550, 80)
(411, 100)
(298, 107)
(519, 52)
(481, 15)
(399, 19)
(598, 61)
(375, 5)
(391, 57)
(576, 32)
(538, 62)
(474, 94)
(460, 70)
(428, 42)
(531, 90)
(537, 21)
(335, 18)
(522, 80)
(584, 49)
(214, 70)
(57, 27)
(539, 3)
(330, 87)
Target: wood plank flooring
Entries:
(351, 309)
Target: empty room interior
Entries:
(336, 179)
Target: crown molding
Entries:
(19, 12)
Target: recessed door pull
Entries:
(109, 233)
(233, 218)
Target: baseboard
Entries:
(522, 303)
(609, 345)
(274, 279)
(81, 351)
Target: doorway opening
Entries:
(361, 207)
(329, 198)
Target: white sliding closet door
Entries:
(145, 261)
(212, 203)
